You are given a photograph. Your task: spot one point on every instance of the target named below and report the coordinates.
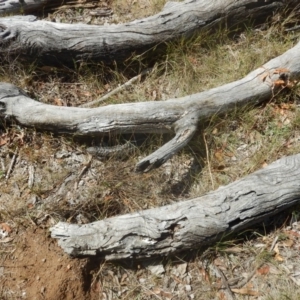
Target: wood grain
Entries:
(187, 224)
(179, 116)
(62, 43)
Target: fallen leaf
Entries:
(215, 131)
(219, 155)
(234, 250)
(108, 198)
(154, 95)
(277, 257)
(58, 102)
(288, 243)
(229, 154)
(157, 290)
(3, 139)
(218, 262)
(245, 291)
(264, 270)
(168, 295)
(123, 279)
(85, 93)
(279, 82)
(287, 106)
(5, 227)
(204, 275)
(222, 296)
(293, 233)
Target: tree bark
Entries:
(179, 116)
(20, 7)
(188, 224)
(39, 6)
(57, 42)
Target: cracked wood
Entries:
(187, 224)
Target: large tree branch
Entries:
(25, 6)
(188, 224)
(69, 42)
(179, 116)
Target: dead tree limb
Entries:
(187, 224)
(72, 42)
(26, 6)
(179, 116)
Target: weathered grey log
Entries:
(73, 42)
(187, 224)
(25, 6)
(179, 116)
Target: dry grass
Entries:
(238, 143)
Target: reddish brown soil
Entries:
(38, 269)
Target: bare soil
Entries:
(37, 269)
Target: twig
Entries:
(2, 165)
(293, 28)
(97, 274)
(273, 244)
(225, 282)
(30, 176)
(12, 163)
(84, 169)
(246, 280)
(117, 90)
(208, 161)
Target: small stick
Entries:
(84, 169)
(293, 28)
(2, 164)
(31, 176)
(117, 90)
(249, 277)
(273, 244)
(208, 161)
(225, 282)
(12, 163)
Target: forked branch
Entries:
(179, 116)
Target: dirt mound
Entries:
(37, 269)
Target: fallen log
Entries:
(179, 116)
(39, 7)
(58, 42)
(187, 224)
(27, 6)
(19, 7)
